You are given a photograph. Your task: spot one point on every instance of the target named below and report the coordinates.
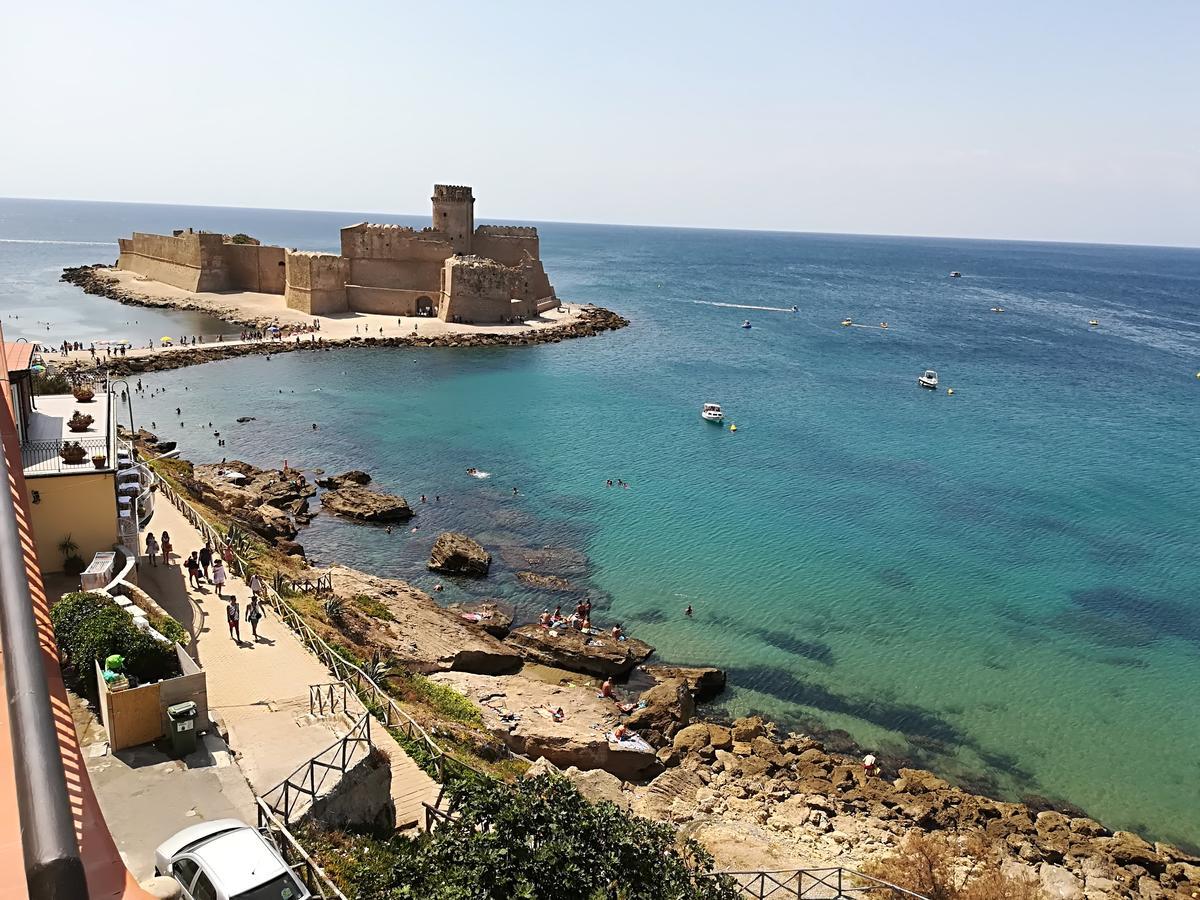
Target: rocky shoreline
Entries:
(593, 320)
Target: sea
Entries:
(1001, 583)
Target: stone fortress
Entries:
(452, 270)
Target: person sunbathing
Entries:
(545, 618)
(617, 633)
(606, 689)
(620, 732)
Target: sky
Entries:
(1071, 121)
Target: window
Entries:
(282, 888)
(184, 871)
(203, 888)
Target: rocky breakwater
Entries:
(456, 554)
(592, 654)
(270, 502)
(421, 635)
(826, 809)
(524, 713)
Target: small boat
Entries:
(997, 309)
(1093, 322)
(846, 323)
(712, 412)
(956, 274)
(928, 380)
(883, 324)
(795, 309)
(746, 324)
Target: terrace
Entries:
(47, 432)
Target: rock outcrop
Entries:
(567, 648)
(354, 476)
(493, 616)
(662, 711)
(423, 636)
(270, 502)
(519, 711)
(705, 682)
(545, 582)
(456, 554)
(356, 502)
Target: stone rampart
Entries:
(316, 282)
(509, 244)
(252, 267)
(391, 301)
(190, 260)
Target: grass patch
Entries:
(444, 702)
(374, 607)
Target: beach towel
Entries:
(633, 742)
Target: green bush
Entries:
(445, 701)
(539, 840)
(89, 626)
(50, 382)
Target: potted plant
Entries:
(79, 422)
(99, 460)
(73, 563)
(83, 393)
(72, 453)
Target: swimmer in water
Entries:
(688, 612)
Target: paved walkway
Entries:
(259, 689)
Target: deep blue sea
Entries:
(1003, 584)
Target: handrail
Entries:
(53, 865)
(285, 803)
(766, 885)
(393, 716)
(313, 876)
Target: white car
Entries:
(227, 860)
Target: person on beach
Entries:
(166, 548)
(152, 549)
(870, 766)
(544, 618)
(557, 617)
(232, 613)
(606, 689)
(254, 614)
(218, 575)
(617, 633)
(193, 569)
(205, 556)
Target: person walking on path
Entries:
(205, 557)
(193, 569)
(218, 576)
(256, 587)
(232, 614)
(166, 548)
(227, 555)
(152, 548)
(254, 613)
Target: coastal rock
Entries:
(456, 554)
(545, 582)
(236, 485)
(705, 682)
(599, 786)
(560, 561)
(668, 707)
(692, 738)
(354, 476)
(356, 502)
(566, 648)
(519, 711)
(493, 616)
(421, 635)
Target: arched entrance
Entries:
(424, 306)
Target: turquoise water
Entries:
(1001, 584)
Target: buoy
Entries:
(733, 428)
(949, 391)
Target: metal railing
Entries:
(328, 699)
(322, 584)
(815, 884)
(46, 457)
(294, 856)
(310, 779)
(377, 700)
(53, 866)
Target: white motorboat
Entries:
(746, 324)
(928, 380)
(956, 274)
(712, 412)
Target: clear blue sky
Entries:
(1047, 120)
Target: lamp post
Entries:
(127, 393)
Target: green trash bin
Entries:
(182, 727)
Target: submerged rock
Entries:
(456, 554)
(356, 502)
(545, 582)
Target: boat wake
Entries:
(743, 306)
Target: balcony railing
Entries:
(46, 457)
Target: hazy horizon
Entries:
(1066, 123)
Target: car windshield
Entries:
(282, 888)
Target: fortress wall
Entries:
(255, 268)
(390, 301)
(316, 283)
(479, 290)
(365, 241)
(171, 260)
(506, 243)
(411, 274)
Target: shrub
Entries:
(539, 840)
(444, 701)
(89, 626)
(939, 868)
(373, 606)
(49, 382)
(335, 609)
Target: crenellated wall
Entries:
(509, 244)
(316, 282)
(395, 257)
(190, 260)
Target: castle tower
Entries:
(454, 213)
